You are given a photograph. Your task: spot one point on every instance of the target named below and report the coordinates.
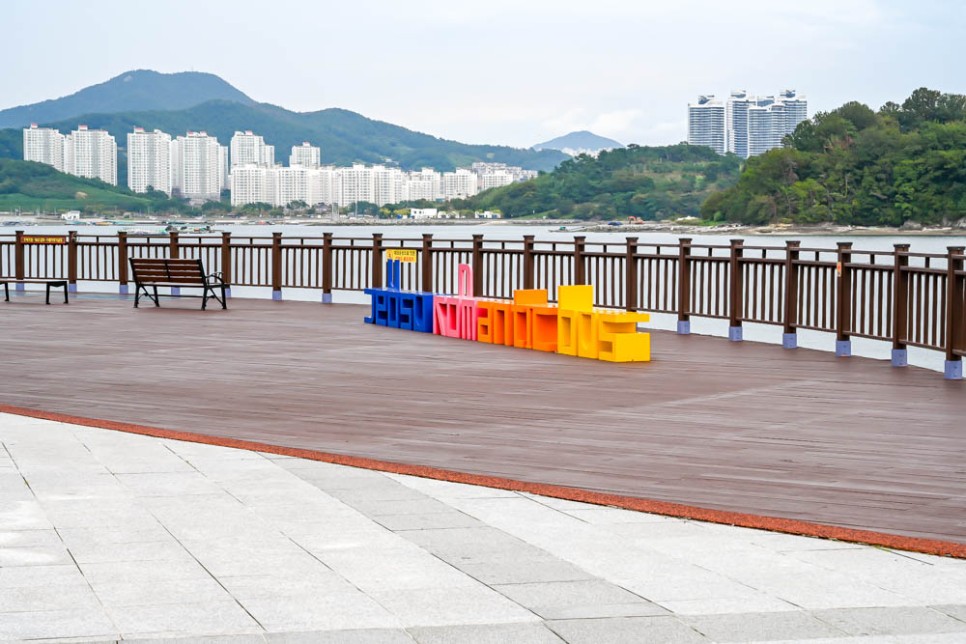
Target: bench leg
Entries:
(6, 292)
(66, 301)
(156, 303)
(48, 292)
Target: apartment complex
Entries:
(745, 125)
(83, 153)
(195, 166)
(306, 180)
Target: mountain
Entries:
(643, 182)
(137, 90)
(582, 142)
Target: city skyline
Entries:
(504, 73)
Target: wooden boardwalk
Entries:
(739, 427)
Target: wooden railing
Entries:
(905, 298)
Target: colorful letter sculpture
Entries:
(494, 322)
(400, 309)
(572, 327)
(455, 316)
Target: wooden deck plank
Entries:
(741, 427)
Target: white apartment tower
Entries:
(198, 166)
(460, 184)
(305, 155)
(91, 154)
(43, 145)
(706, 123)
(149, 161)
(250, 149)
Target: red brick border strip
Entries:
(740, 519)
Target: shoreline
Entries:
(555, 225)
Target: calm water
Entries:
(508, 232)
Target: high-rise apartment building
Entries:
(706, 123)
(43, 145)
(149, 160)
(250, 149)
(305, 155)
(752, 124)
(198, 166)
(460, 184)
(91, 154)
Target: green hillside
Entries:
(650, 183)
(854, 166)
(28, 186)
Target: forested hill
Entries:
(855, 166)
(646, 182)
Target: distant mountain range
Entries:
(581, 142)
(176, 103)
(132, 91)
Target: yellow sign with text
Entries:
(407, 255)
(44, 239)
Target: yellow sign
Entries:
(402, 254)
(44, 239)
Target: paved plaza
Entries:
(107, 536)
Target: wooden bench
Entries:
(51, 283)
(150, 273)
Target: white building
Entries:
(91, 154)
(198, 166)
(252, 184)
(706, 123)
(44, 145)
(149, 161)
(356, 184)
(460, 184)
(423, 213)
(250, 149)
(752, 124)
(305, 155)
(422, 185)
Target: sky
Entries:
(507, 72)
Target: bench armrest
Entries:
(214, 279)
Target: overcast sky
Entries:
(497, 71)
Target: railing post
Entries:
(326, 268)
(122, 263)
(18, 260)
(174, 248)
(277, 266)
(579, 247)
(900, 305)
(630, 275)
(954, 313)
(376, 261)
(427, 263)
(790, 325)
(737, 285)
(843, 308)
(226, 269)
(477, 263)
(684, 286)
(72, 261)
(528, 261)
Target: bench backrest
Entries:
(169, 271)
